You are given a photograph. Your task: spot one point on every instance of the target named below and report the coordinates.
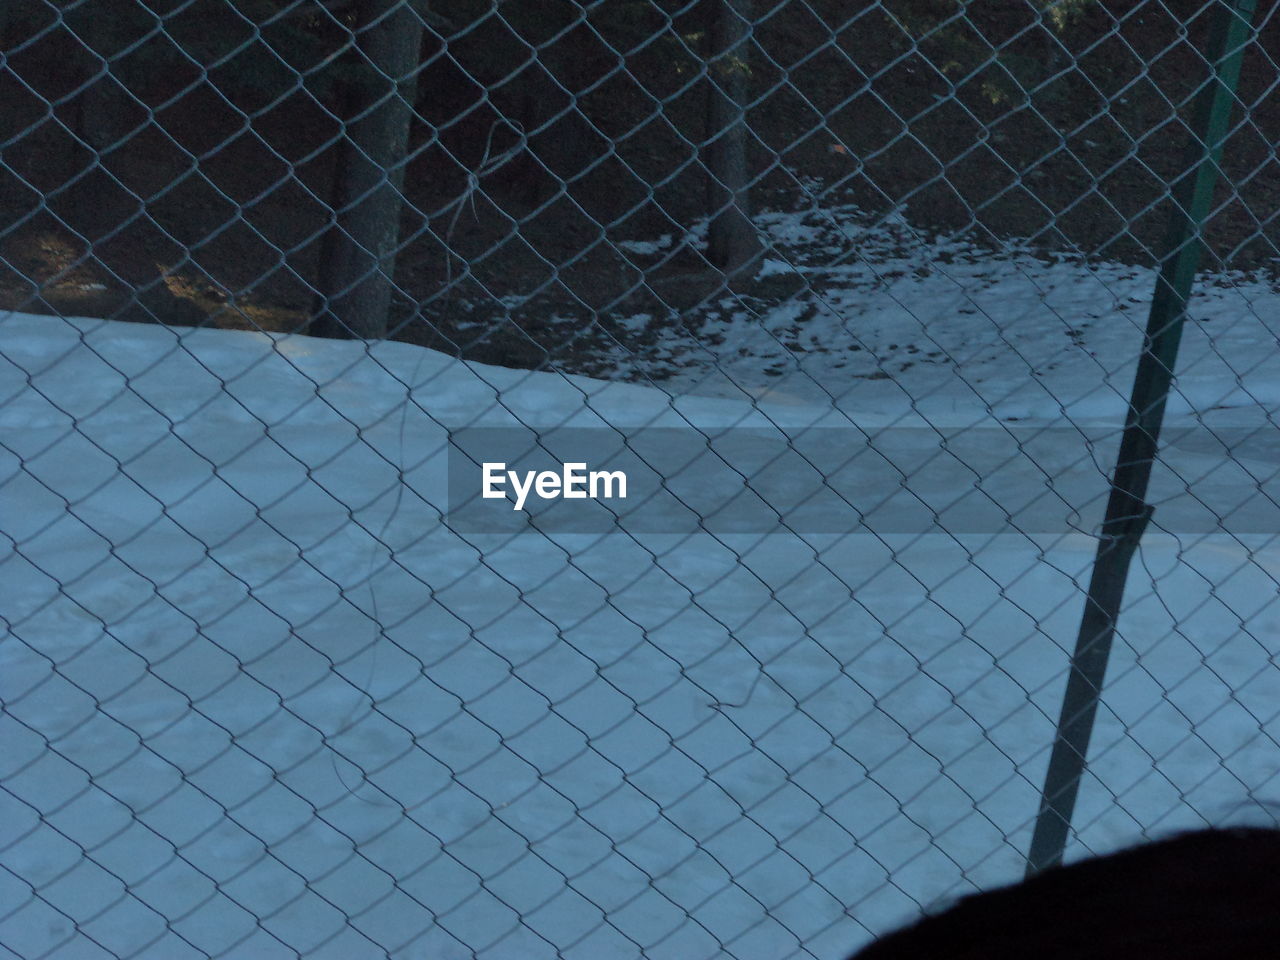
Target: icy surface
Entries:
(260, 701)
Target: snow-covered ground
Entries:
(260, 701)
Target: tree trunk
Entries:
(357, 255)
(101, 109)
(733, 244)
(105, 115)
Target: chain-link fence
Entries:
(673, 536)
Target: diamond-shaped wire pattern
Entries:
(264, 695)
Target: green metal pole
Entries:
(1127, 510)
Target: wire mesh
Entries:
(278, 683)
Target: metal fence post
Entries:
(1127, 511)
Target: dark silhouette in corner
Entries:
(1206, 895)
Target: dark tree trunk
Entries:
(357, 255)
(733, 244)
(105, 114)
(102, 108)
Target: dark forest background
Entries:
(178, 160)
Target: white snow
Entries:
(645, 247)
(260, 701)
